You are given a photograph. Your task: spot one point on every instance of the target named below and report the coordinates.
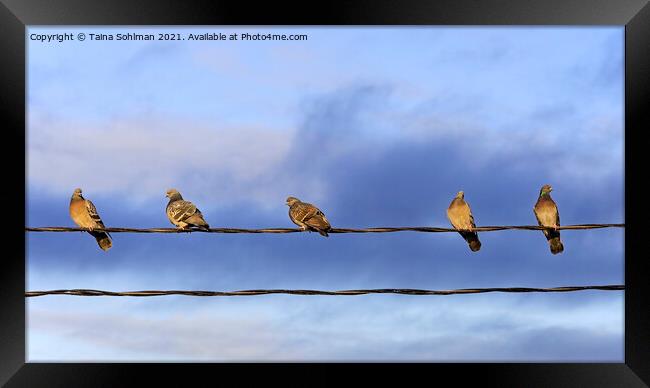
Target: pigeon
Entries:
(547, 215)
(460, 216)
(85, 215)
(308, 216)
(184, 214)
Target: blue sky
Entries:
(378, 127)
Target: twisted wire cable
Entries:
(333, 231)
(404, 291)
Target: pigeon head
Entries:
(77, 193)
(292, 200)
(460, 194)
(173, 194)
(546, 189)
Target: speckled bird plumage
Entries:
(84, 214)
(547, 215)
(461, 218)
(308, 216)
(183, 214)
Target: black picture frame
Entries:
(16, 15)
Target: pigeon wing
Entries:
(94, 216)
(179, 211)
(316, 219)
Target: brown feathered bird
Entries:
(547, 215)
(184, 214)
(308, 216)
(460, 216)
(85, 215)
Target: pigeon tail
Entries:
(319, 225)
(553, 237)
(475, 245)
(197, 221)
(103, 240)
(556, 245)
(472, 240)
(205, 227)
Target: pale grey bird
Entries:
(184, 214)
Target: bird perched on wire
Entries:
(84, 214)
(547, 215)
(460, 216)
(308, 216)
(184, 214)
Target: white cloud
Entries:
(292, 328)
(144, 157)
(142, 337)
